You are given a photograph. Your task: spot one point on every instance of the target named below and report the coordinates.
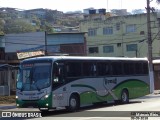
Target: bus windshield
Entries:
(34, 76)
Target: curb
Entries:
(4, 107)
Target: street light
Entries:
(150, 48)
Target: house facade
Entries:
(121, 35)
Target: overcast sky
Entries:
(73, 5)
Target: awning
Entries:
(6, 66)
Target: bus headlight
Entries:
(16, 97)
(46, 96)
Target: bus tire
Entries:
(74, 103)
(124, 96)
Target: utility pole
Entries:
(150, 48)
(45, 43)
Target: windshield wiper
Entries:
(37, 87)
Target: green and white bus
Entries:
(50, 82)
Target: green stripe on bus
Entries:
(82, 85)
(136, 88)
(88, 97)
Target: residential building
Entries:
(41, 13)
(121, 35)
(62, 29)
(86, 11)
(14, 12)
(119, 12)
(73, 44)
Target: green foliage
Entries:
(19, 26)
(2, 23)
(13, 22)
(45, 26)
(36, 21)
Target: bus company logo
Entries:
(6, 114)
(111, 81)
(33, 97)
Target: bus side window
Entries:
(104, 68)
(73, 69)
(93, 70)
(145, 68)
(89, 69)
(57, 73)
(117, 68)
(107, 71)
(139, 68)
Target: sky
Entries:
(74, 5)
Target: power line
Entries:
(21, 43)
(116, 43)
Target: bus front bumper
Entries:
(41, 103)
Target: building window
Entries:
(108, 49)
(142, 33)
(107, 30)
(119, 44)
(117, 26)
(130, 28)
(131, 47)
(93, 50)
(92, 32)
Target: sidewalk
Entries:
(155, 95)
(7, 106)
(156, 91)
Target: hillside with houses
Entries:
(14, 20)
(19, 21)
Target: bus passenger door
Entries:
(59, 87)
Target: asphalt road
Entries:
(145, 106)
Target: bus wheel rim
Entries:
(124, 96)
(73, 102)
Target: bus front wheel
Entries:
(73, 103)
(125, 96)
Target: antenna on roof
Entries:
(107, 6)
(121, 4)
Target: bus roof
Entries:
(156, 61)
(84, 58)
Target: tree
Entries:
(18, 26)
(45, 26)
(2, 23)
